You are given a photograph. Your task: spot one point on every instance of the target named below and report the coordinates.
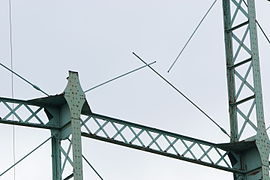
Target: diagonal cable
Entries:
(182, 94)
(265, 35)
(260, 27)
(25, 156)
(132, 71)
(91, 166)
(182, 50)
(34, 86)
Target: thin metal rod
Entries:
(92, 168)
(34, 86)
(263, 32)
(69, 177)
(25, 156)
(119, 76)
(188, 99)
(182, 50)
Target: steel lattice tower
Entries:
(69, 117)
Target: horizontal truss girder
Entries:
(153, 146)
(11, 115)
(134, 136)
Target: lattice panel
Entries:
(154, 140)
(240, 57)
(66, 158)
(20, 111)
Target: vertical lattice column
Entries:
(244, 79)
(243, 69)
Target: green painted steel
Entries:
(262, 139)
(65, 112)
(69, 117)
(56, 158)
(157, 141)
(22, 112)
(244, 87)
(230, 70)
(178, 146)
(60, 114)
(75, 98)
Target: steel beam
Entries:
(56, 157)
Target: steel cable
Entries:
(189, 39)
(12, 84)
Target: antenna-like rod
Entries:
(34, 86)
(134, 70)
(182, 94)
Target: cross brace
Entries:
(247, 159)
(68, 116)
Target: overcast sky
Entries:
(97, 38)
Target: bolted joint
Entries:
(75, 98)
(74, 95)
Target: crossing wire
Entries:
(182, 94)
(120, 76)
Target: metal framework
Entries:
(68, 115)
(244, 82)
(60, 114)
(156, 141)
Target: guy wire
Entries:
(12, 85)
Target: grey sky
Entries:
(96, 38)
